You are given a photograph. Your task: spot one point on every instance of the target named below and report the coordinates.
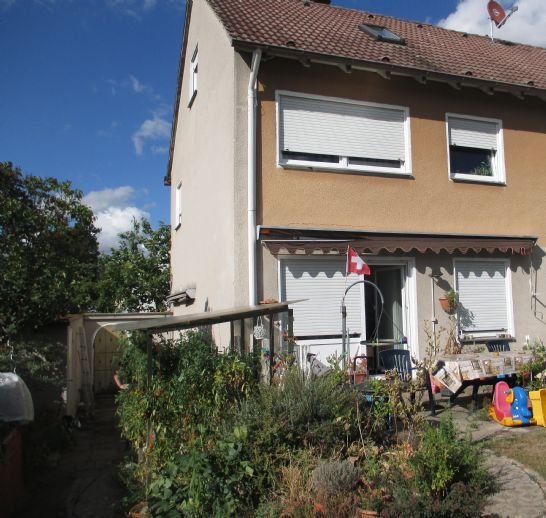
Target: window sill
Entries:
(478, 339)
(477, 179)
(329, 168)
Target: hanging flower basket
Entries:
(447, 305)
(449, 301)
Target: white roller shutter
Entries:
(318, 126)
(323, 283)
(483, 296)
(473, 133)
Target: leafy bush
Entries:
(444, 476)
(180, 424)
(533, 373)
(222, 444)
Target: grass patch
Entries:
(525, 446)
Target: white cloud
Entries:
(156, 129)
(132, 83)
(115, 211)
(138, 87)
(133, 8)
(527, 25)
(113, 221)
(101, 200)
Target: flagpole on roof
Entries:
(344, 313)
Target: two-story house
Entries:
(301, 128)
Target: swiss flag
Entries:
(355, 264)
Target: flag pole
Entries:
(344, 315)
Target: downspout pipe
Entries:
(251, 180)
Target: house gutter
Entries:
(251, 180)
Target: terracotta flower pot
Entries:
(446, 306)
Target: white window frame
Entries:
(344, 165)
(192, 89)
(178, 206)
(499, 170)
(508, 290)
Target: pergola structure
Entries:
(246, 318)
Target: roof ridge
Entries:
(303, 26)
(419, 22)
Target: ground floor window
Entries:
(484, 290)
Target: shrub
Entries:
(334, 484)
(226, 445)
(194, 454)
(533, 373)
(445, 476)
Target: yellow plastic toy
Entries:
(538, 402)
(509, 406)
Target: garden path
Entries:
(523, 491)
(84, 483)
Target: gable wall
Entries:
(202, 253)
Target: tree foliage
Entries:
(48, 251)
(135, 276)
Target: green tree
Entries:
(48, 251)
(135, 276)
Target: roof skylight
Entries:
(381, 33)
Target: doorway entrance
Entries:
(385, 322)
(318, 283)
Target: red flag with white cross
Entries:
(355, 264)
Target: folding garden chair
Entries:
(496, 346)
(399, 360)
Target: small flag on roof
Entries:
(355, 263)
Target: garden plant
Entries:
(210, 439)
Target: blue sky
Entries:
(88, 88)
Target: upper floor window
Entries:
(340, 134)
(475, 149)
(178, 206)
(192, 92)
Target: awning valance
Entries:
(332, 242)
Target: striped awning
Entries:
(331, 242)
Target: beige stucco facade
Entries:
(210, 250)
(428, 201)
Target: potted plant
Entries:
(533, 376)
(449, 301)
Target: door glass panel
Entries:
(389, 323)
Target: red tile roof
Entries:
(305, 27)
